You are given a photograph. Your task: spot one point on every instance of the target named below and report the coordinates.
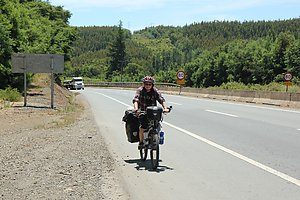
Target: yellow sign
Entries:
(180, 82)
(288, 83)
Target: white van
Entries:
(77, 83)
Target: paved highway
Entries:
(213, 149)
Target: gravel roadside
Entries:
(43, 156)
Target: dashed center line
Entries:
(221, 113)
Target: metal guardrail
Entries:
(126, 84)
(248, 95)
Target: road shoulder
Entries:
(44, 157)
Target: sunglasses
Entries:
(149, 84)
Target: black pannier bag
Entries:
(154, 112)
(131, 126)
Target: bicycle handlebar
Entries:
(170, 108)
(143, 112)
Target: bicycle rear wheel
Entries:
(154, 152)
(144, 153)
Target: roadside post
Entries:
(287, 80)
(180, 75)
(38, 63)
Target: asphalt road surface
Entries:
(213, 149)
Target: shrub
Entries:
(10, 94)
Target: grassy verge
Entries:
(64, 116)
(277, 87)
(71, 112)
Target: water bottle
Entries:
(161, 137)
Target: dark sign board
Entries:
(37, 63)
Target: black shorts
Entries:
(144, 121)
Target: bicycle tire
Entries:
(154, 152)
(143, 153)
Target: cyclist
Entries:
(147, 95)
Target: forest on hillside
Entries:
(210, 53)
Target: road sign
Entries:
(180, 75)
(288, 76)
(288, 83)
(37, 63)
(180, 82)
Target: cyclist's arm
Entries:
(164, 105)
(135, 105)
(136, 99)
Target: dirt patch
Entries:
(54, 153)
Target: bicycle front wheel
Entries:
(154, 152)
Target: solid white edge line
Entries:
(179, 104)
(237, 155)
(221, 113)
(240, 104)
(114, 99)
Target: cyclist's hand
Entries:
(166, 110)
(137, 112)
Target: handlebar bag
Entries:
(154, 112)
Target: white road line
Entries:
(240, 104)
(221, 113)
(114, 99)
(237, 155)
(170, 102)
(233, 153)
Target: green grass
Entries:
(10, 94)
(70, 113)
(274, 86)
(67, 115)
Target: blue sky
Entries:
(138, 14)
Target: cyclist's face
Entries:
(148, 86)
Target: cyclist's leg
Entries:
(143, 126)
(141, 135)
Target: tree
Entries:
(31, 26)
(117, 53)
(281, 44)
(292, 59)
(211, 53)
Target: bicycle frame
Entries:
(154, 128)
(151, 135)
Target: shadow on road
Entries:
(146, 165)
(30, 106)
